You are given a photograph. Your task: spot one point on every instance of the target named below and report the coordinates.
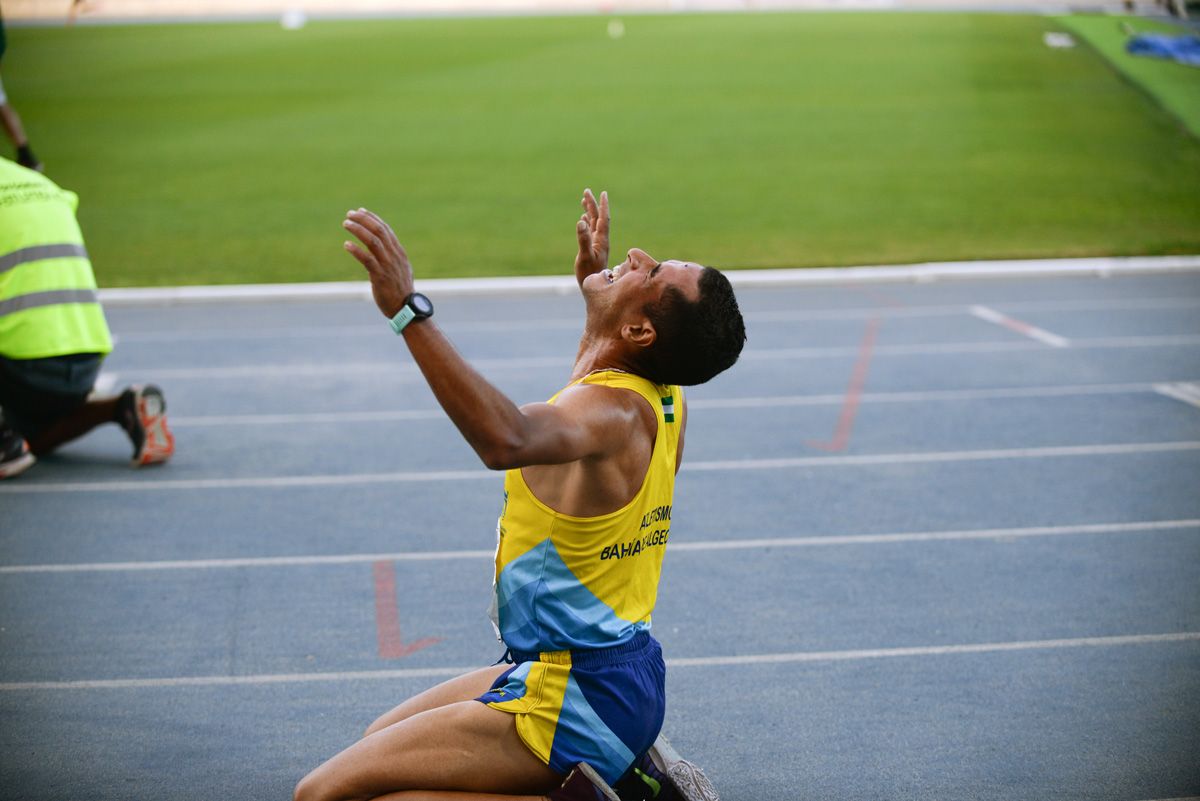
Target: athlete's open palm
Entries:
(383, 256)
(592, 231)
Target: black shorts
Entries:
(35, 393)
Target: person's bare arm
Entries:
(592, 232)
(504, 436)
(580, 425)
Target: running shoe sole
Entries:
(157, 442)
(688, 779)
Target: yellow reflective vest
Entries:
(48, 301)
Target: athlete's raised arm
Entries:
(503, 435)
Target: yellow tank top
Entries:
(565, 582)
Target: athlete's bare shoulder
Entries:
(622, 413)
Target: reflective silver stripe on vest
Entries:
(39, 252)
(35, 299)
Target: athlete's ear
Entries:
(641, 333)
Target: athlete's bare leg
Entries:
(463, 751)
(461, 688)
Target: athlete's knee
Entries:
(308, 789)
(316, 786)
(378, 725)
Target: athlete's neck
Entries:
(597, 354)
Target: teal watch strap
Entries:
(402, 318)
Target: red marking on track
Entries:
(1020, 326)
(387, 616)
(858, 380)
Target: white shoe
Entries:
(689, 780)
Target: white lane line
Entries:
(336, 418)
(1188, 392)
(1156, 341)
(233, 681)
(576, 323)
(253, 561)
(678, 662)
(935, 650)
(926, 396)
(278, 482)
(942, 456)
(709, 545)
(1020, 327)
(261, 482)
(763, 402)
(888, 312)
(933, 536)
(390, 370)
(1096, 343)
(405, 370)
(1107, 304)
(334, 331)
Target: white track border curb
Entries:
(561, 285)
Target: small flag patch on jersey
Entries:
(669, 409)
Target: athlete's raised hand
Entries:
(386, 261)
(592, 231)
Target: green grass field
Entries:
(1176, 87)
(229, 153)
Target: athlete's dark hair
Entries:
(695, 339)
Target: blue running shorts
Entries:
(601, 706)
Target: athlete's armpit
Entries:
(584, 422)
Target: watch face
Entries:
(420, 304)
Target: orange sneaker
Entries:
(143, 415)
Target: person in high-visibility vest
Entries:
(53, 335)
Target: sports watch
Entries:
(416, 307)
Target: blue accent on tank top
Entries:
(544, 607)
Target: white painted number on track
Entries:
(1020, 327)
(1187, 392)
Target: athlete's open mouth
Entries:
(616, 272)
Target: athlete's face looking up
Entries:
(638, 281)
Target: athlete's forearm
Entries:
(491, 423)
